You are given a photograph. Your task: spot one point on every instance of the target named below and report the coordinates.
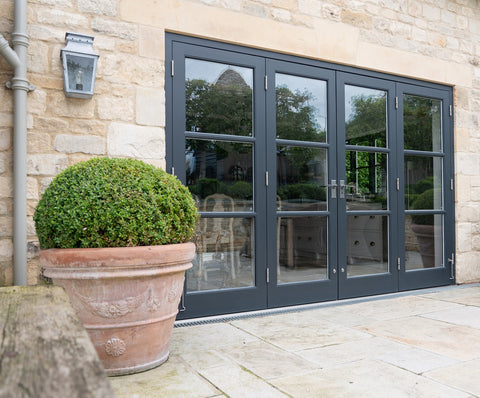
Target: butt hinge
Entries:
(268, 275)
(451, 184)
(396, 102)
(172, 70)
(266, 82)
(398, 184)
(398, 263)
(450, 110)
(266, 178)
(173, 171)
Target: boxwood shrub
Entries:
(106, 202)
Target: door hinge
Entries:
(398, 263)
(451, 184)
(266, 178)
(398, 184)
(450, 110)
(266, 82)
(396, 102)
(268, 275)
(452, 268)
(172, 70)
(173, 171)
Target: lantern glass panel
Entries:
(80, 72)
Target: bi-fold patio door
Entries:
(313, 183)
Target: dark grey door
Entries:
(314, 181)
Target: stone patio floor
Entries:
(417, 344)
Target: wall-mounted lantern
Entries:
(79, 65)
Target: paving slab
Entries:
(301, 336)
(466, 294)
(335, 355)
(167, 380)
(268, 361)
(464, 376)
(457, 342)
(465, 316)
(366, 378)
(236, 382)
(417, 360)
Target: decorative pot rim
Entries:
(118, 257)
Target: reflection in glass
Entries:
(301, 249)
(366, 180)
(301, 178)
(220, 167)
(301, 108)
(218, 98)
(225, 255)
(367, 245)
(365, 116)
(423, 241)
(422, 123)
(423, 182)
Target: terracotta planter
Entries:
(426, 242)
(127, 298)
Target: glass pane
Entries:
(301, 108)
(423, 241)
(366, 180)
(365, 116)
(423, 183)
(225, 256)
(218, 98)
(301, 178)
(367, 245)
(220, 167)
(301, 249)
(422, 123)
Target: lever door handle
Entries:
(342, 189)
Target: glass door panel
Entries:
(365, 158)
(428, 193)
(301, 133)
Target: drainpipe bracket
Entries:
(29, 87)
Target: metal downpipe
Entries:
(17, 58)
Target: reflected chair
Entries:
(216, 236)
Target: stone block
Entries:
(45, 183)
(136, 141)
(356, 19)
(83, 126)
(464, 237)
(58, 17)
(310, 7)
(5, 138)
(104, 7)
(467, 269)
(45, 33)
(6, 119)
(6, 227)
(48, 165)
(151, 42)
(332, 12)
(431, 12)
(59, 105)
(115, 108)
(281, 15)
(37, 101)
(38, 58)
(6, 249)
(79, 143)
(150, 107)
(50, 125)
(6, 187)
(108, 27)
(32, 188)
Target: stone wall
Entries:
(434, 40)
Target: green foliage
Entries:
(424, 201)
(114, 203)
(209, 186)
(302, 191)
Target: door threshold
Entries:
(306, 307)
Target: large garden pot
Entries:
(425, 235)
(127, 298)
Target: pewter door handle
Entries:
(333, 187)
(342, 189)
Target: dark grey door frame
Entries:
(266, 63)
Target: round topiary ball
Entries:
(106, 202)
